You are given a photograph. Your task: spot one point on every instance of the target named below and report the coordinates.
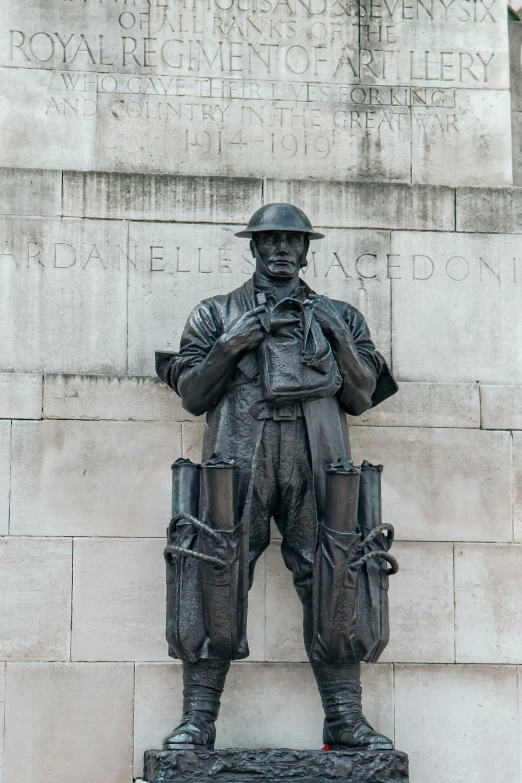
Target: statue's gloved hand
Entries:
(331, 322)
(245, 334)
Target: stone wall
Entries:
(100, 269)
(388, 90)
(137, 135)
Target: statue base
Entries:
(275, 766)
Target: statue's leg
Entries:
(264, 494)
(345, 725)
(296, 515)
(339, 684)
(203, 684)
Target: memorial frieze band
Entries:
(229, 82)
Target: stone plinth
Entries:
(271, 766)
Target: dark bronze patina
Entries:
(275, 766)
(275, 367)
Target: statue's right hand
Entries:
(246, 333)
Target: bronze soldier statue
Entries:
(275, 367)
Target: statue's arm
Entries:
(209, 355)
(203, 385)
(201, 370)
(359, 363)
(362, 367)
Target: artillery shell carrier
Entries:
(207, 566)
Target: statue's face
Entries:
(280, 252)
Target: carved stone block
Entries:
(75, 277)
(50, 456)
(271, 765)
(465, 289)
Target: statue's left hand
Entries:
(329, 319)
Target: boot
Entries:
(345, 726)
(203, 684)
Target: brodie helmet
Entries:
(279, 217)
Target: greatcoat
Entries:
(232, 430)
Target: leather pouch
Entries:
(296, 360)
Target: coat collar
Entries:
(248, 290)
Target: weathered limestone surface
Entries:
(308, 90)
(35, 600)
(127, 398)
(426, 405)
(2, 716)
(256, 622)
(422, 604)
(426, 29)
(368, 204)
(437, 160)
(120, 398)
(496, 210)
(31, 192)
(283, 699)
(501, 407)
(464, 289)
(516, 142)
(92, 478)
(192, 435)
(118, 600)
(160, 197)
(515, 42)
(175, 266)
(63, 295)
(5, 468)
(474, 708)
(441, 484)
(28, 99)
(487, 586)
(88, 704)
(232, 200)
(517, 486)
(20, 396)
(284, 613)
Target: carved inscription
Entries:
(38, 255)
(188, 260)
(325, 40)
(323, 82)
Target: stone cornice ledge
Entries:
(181, 198)
(493, 210)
